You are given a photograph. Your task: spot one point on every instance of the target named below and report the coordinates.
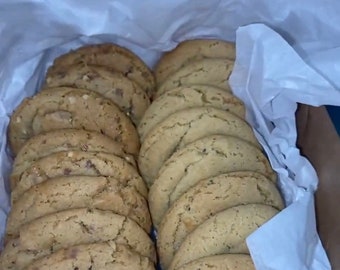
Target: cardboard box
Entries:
(34, 32)
(320, 143)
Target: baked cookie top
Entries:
(112, 56)
(206, 157)
(209, 71)
(54, 141)
(222, 233)
(184, 127)
(102, 255)
(190, 50)
(207, 198)
(185, 97)
(125, 93)
(66, 192)
(64, 229)
(71, 108)
(68, 163)
(221, 262)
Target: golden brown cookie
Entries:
(79, 163)
(71, 108)
(209, 71)
(223, 233)
(184, 127)
(207, 198)
(54, 141)
(102, 255)
(202, 159)
(62, 193)
(185, 97)
(190, 50)
(108, 55)
(64, 229)
(125, 93)
(221, 262)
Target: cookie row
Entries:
(77, 198)
(110, 76)
(210, 183)
(78, 201)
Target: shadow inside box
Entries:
(334, 113)
(153, 236)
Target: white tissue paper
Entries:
(270, 77)
(285, 54)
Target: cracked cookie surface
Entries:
(184, 127)
(125, 93)
(192, 50)
(185, 97)
(221, 262)
(51, 142)
(207, 198)
(204, 158)
(71, 108)
(222, 233)
(79, 163)
(62, 193)
(64, 229)
(112, 56)
(209, 71)
(104, 255)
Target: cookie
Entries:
(185, 97)
(71, 108)
(221, 262)
(125, 93)
(209, 71)
(64, 229)
(190, 50)
(222, 233)
(54, 141)
(207, 198)
(61, 193)
(108, 55)
(104, 256)
(183, 128)
(69, 163)
(204, 158)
